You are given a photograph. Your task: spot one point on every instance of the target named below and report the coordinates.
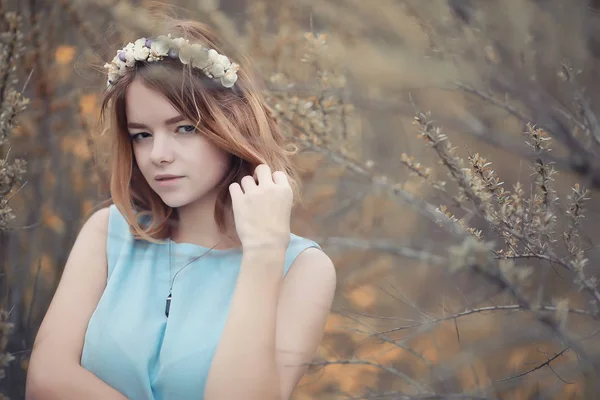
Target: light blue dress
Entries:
(131, 345)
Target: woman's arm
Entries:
(54, 370)
(304, 305)
(69, 381)
(273, 327)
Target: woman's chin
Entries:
(175, 201)
(180, 198)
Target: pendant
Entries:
(168, 305)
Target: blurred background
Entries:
(449, 152)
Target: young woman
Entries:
(190, 285)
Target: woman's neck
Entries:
(197, 225)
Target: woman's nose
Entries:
(161, 150)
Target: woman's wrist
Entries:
(264, 250)
(266, 246)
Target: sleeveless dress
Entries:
(131, 345)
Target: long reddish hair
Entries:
(237, 120)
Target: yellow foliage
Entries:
(431, 352)
(28, 293)
(64, 54)
(572, 391)
(46, 266)
(437, 345)
(413, 186)
(389, 353)
(88, 104)
(354, 378)
(382, 353)
(25, 364)
(473, 375)
(321, 198)
(50, 179)
(52, 221)
(517, 358)
(362, 297)
(372, 208)
(335, 171)
(324, 191)
(336, 324)
(377, 268)
(88, 207)
(308, 163)
(77, 145)
(79, 182)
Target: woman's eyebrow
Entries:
(137, 125)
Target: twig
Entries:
(383, 245)
(582, 101)
(512, 307)
(395, 343)
(382, 182)
(536, 367)
(551, 367)
(388, 369)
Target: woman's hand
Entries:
(262, 210)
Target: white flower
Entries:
(224, 61)
(218, 64)
(140, 51)
(213, 64)
(185, 54)
(213, 56)
(111, 78)
(199, 56)
(128, 54)
(229, 79)
(112, 68)
(120, 65)
(129, 59)
(179, 42)
(113, 71)
(161, 46)
(217, 70)
(195, 54)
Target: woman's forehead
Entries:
(143, 103)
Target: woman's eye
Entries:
(187, 128)
(138, 136)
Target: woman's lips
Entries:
(168, 181)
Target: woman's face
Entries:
(180, 164)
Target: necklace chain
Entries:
(172, 279)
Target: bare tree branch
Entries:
(547, 363)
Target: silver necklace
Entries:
(172, 279)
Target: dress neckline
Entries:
(193, 246)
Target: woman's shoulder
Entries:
(116, 220)
(99, 219)
(94, 232)
(297, 240)
(114, 225)
(297, 246)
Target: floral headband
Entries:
(213, 64)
